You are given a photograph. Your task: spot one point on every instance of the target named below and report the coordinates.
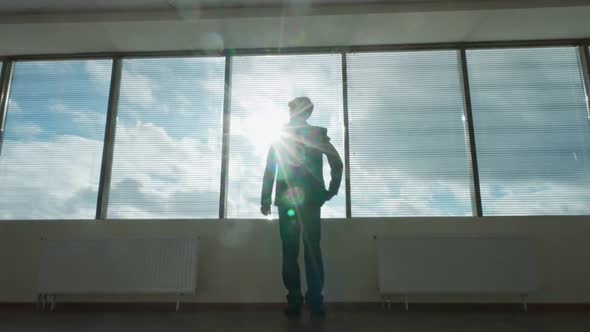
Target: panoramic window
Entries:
(531, 130)
(167, 153)
(409, 152)
(262, 86)
(52, 148)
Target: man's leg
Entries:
(290, 229)
(314, 266)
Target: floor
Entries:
(274, 321)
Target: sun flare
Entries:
(262, 127)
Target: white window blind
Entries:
(51, 155)
(167, 153)
(532, 131)
(409, 153)
(262, 86)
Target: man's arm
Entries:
(336, 168)
(268, 182)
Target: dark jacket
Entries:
(296, 159)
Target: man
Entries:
(296, 159)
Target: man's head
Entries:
(300, 108)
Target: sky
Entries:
(409, 149)
(262, 86)
(167, 155)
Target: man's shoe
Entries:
(292, 310)
(318, 311)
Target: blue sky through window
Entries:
(262, 86)
(167, 156)
(409, 154)
(532, 131)
(52, 149)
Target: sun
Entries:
(261, 127)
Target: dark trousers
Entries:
(294, 221)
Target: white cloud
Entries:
(529, 197)
(399, 192)
(154, 176)
(85, 118)
(100, 72)
(14, 107)
(159, 174)
(47, 179)
(26, 130)
(139, 89)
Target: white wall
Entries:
(240, 260)
(276, 31)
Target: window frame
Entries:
(110, 130)
(6, 76)
(278, 52)
(583, 46)
(463, 77)
(583, 50)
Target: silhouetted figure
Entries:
(297, 161)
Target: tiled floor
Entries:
(275, 322)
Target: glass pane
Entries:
(262, 86)
(167, 159)
(409, 154)
(532, 131)
(52, 150)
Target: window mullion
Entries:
(109, 141)
(6, 77)
(584, 60)
(346, 136)
(225, 137)
(475, 190)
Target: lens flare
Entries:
(295, 196)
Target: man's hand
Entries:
(265, 210)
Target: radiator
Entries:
(118, 266)
(437, 264)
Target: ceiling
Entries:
(61, 6)
(15, 7)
